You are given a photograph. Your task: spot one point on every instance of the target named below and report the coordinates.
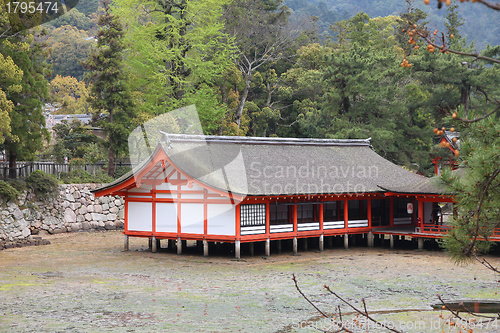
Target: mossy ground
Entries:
(84, 282)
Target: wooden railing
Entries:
(444, 229)
(435, 229)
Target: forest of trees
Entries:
(266, 68)
(259, 68)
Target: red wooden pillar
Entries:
(205, 213)
(369, 212)
(421, 213)
(178, 210)
(153, 197)
(346, 213)
(238, 221)
(268, 220)
(295, 218)
(391, 211)
(125, 227)
(320, 216)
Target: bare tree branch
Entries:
(479, 118)
(338, 323)
(363, 313)
(427, 37)
(486, 264)
(457, 315)
(492, 5)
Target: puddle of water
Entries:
(471, 306)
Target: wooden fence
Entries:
(24, 169)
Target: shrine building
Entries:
(248, 189)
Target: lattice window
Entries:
(252, 215)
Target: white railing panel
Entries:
(357, 223)
(281, 228)
(333, 225)
(308, 226)
(255, 230)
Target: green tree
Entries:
(177, 52)
(73, 140)
(69, 95)
(27, 123)
(73, 18)
(353, 87)
(70, 46)
(477, 189)
(10, 79)
(263, 36)
(109, 95)
(474, 106)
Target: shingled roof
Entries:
(285, 166)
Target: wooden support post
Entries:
(150, 243)
(295, 245)
(158, 244)
(125, 243)
(346, 241)
(391, 241)
(268, 247)
(237, 249)
(179, 246)
(252, 249)
(305, 244)
(371, 239)
(153, 244)
(279, 246)
(321, 243)
(420, 243)
(330, 241)
(205, 248)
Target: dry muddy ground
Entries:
(84, 282)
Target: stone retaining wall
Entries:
(73, 209)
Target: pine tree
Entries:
(109, 95)
(477, 189)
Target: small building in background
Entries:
(451, 142)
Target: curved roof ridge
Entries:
(248, 140)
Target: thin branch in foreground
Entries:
(486, 264)
(339, 324)
(492, 5)
(472, 321)
(364, 313)
(475, 120)
(361, 312)
(427, 37)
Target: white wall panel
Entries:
(221, 219)
(166, 217)
(140, 216)
(192, 218)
